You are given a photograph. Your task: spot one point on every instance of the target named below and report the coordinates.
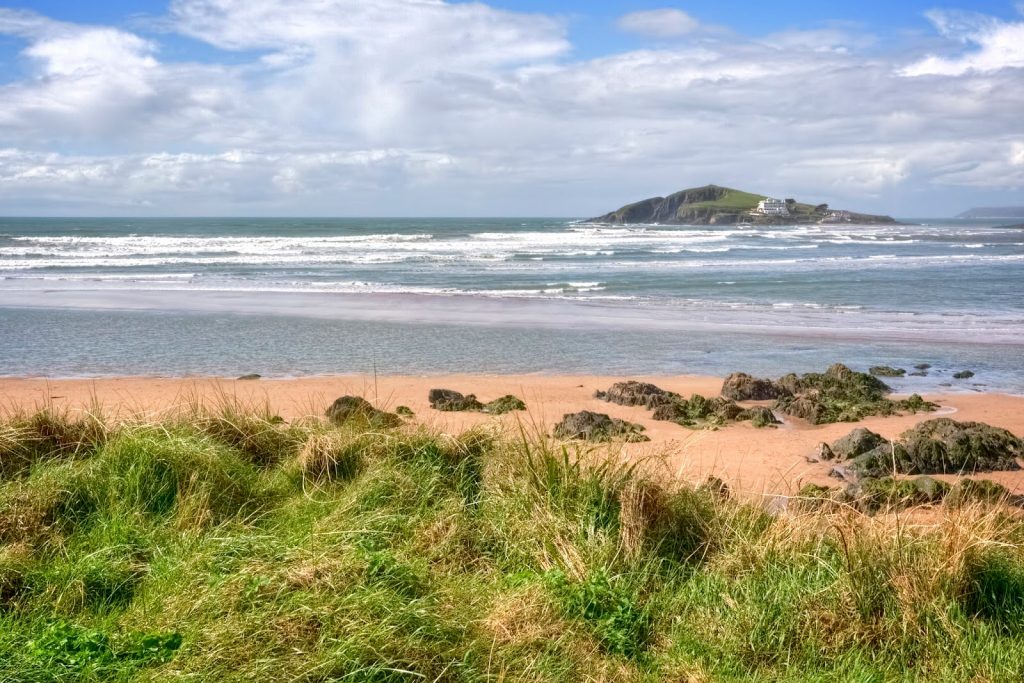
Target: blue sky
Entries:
(396, 107)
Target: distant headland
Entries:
(992, 212)
(715, 205)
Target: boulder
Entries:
(888, 493)
(739, 386)
(451, 401)
(882, 461)
(759, 416)
(405, 411)
(633, 393)
(699, 411)
(590, 426)
(943, 445)
(808, 408)
(963, 374)
(857, 442)
(825, 452)
(967, 491)
(841, 395)
(349, 409)
(923, 366)
(931, 488)
(939, 446)
(505, 404)
(886, 371)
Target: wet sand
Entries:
(755, 461)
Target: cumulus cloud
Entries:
(992, 45)
(659, 23)
(406, 106)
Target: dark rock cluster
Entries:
(453, 401)
(696, 411)
(837, 395)
(599, 427)
(357, 410)
(939, 446)
(886, 371)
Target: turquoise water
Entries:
(300, 296)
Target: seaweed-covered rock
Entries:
(886, 371)
(939, 446)
(923, 366)
(739, 386)
(943, 445)
(841, 395)
(505, 404)
(963, 374)
(590, 426)
(931, 487)
(809, 408)
(699, 411)
(914, 404)
(405, 411)
(857, 442)
(348, 409)
(977, 491)
(452, 401)
(813, 497)
(882, 461)
(759, 416)
(632, 393)
(888, 493)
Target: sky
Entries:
(508, 108)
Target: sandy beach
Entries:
(755, 461)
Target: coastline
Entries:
(753, 461)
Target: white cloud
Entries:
(659, 23)
(821, 40)
(994, 45)
(406, 106)
(1017, 153)
(470, 34)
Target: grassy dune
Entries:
(225, 545)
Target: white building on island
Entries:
(771, 207)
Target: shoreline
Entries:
(792, 320)
(753, 461)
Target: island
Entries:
(716, 205)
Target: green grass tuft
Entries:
(202, 549)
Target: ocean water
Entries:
(82, 297)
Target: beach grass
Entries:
(226, 545)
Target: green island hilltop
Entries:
(715, 205)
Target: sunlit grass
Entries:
(225, 544)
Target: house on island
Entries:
(771, 207)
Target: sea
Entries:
(284, 297)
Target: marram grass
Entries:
(225, 545)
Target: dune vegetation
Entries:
(225, 544)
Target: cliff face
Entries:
(670, 209)
(715, 205)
